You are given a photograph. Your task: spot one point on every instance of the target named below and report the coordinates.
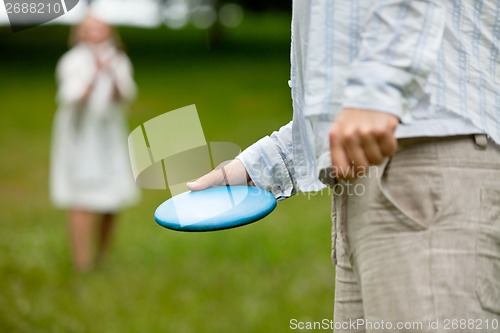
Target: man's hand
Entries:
(227, 173)
(360, 138)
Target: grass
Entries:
(251, 279)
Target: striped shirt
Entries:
(434, 64)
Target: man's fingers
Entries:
(355, 152)
(388, 145)
(227, 173)
(340, 162)
(360, 138)
(211, 179)
(372, 150)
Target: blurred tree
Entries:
(263, 5)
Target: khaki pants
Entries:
(417, 241)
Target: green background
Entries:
(252, 279)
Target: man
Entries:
(412, 90)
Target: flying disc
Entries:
(215, 208)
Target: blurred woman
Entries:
(90, 167)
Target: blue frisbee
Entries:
(215, 208)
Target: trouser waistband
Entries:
(480, 140)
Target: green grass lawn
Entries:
(251, 279)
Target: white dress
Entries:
(90, 166)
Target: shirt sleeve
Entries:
(76, 72)
(398, 51)
(74, 75)
(123, 74)
(269, 163)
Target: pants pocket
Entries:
(413, 189)
(488, 251)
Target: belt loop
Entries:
(481, 141)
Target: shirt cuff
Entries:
(266, 168)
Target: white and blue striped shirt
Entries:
(433, 63)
